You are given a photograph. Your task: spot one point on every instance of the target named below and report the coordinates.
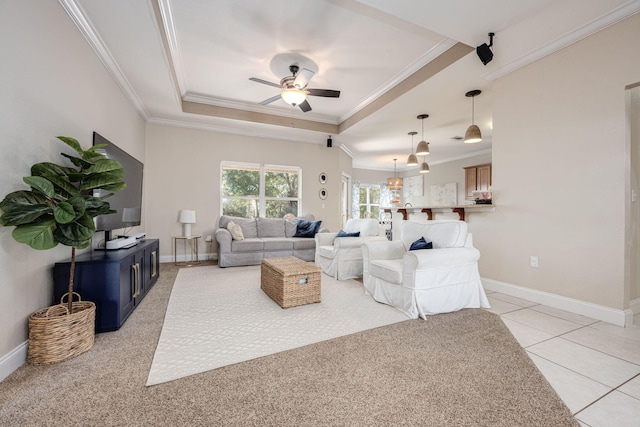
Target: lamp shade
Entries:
(472, 135)
(293, 96)
(422, 149)
(412, 160)
(187, 216)
(424, 167)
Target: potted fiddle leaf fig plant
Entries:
(59, 208)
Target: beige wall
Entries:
(51, 84)
(559, 171)
(183, 172)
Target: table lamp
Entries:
(187, 217)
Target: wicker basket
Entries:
(55, 335)
(290, 281)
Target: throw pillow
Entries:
(235, 230)
(421, 243)
(306, 228)
(342, 233)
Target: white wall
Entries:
(183, 172)
(559, 169)
(51, 84)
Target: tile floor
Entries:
(593, 366)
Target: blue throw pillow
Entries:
(421, 243)
(343, 233)
(306, 228)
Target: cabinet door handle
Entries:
(136, 280)
(153, 262)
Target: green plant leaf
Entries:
(79, 205)
(105, 180)
(77, 231)
(24, 214)
(20, 198)
(64, 213)
(78, 244)
(107, 165)
(62, 186)
(40, 184)
(82, 164)
(96, 147)
(72, 142)
(38, 235)
(48, 168)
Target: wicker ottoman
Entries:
(290, 281)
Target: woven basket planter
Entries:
(55, 335)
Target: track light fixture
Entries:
(412, 160)
(484, 50)
(473, 132)
(423, 146)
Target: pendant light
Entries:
(394, 183)
(423, 146)
(412, 160)
(473, 132)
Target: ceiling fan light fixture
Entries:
(293, 96)
(473, 133)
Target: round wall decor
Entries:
(323, 193)
(322, 178)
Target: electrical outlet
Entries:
(533, 261)
(209, 238)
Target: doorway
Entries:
(345, 199)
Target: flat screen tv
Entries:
(128, 202)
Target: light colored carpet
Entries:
(218, 317)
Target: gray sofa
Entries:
(263, 238)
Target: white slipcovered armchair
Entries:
(427, 281)
(341, 257)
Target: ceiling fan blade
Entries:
(304, 106)
(327, 93)
(270, 100)
(255, 79)
(303, 78)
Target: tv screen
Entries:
(128, 202)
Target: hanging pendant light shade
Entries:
(412, 160)
(424, 167)
(473, 132)
(423, 146)
(394, 183)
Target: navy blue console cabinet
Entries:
(115, 280)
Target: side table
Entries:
(193, 250)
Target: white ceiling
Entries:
(164, 52)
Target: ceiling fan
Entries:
(294, 89)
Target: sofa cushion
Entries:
(290, 227)
(235, 230)
(277, 243)
(270, 227)
(248, 225)
(307, 228)
(421, 243)
(366, 226)
(387, 269)
(247, 245)
(326, 251)
(303, 243)
(443, 233)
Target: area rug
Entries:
(218, 317)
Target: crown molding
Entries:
(592, 27)
(255, 133)
(78, 16)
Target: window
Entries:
(249, 190)
(369, 201)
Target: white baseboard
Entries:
(185, 258)
(599, 312)
(13, 360)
